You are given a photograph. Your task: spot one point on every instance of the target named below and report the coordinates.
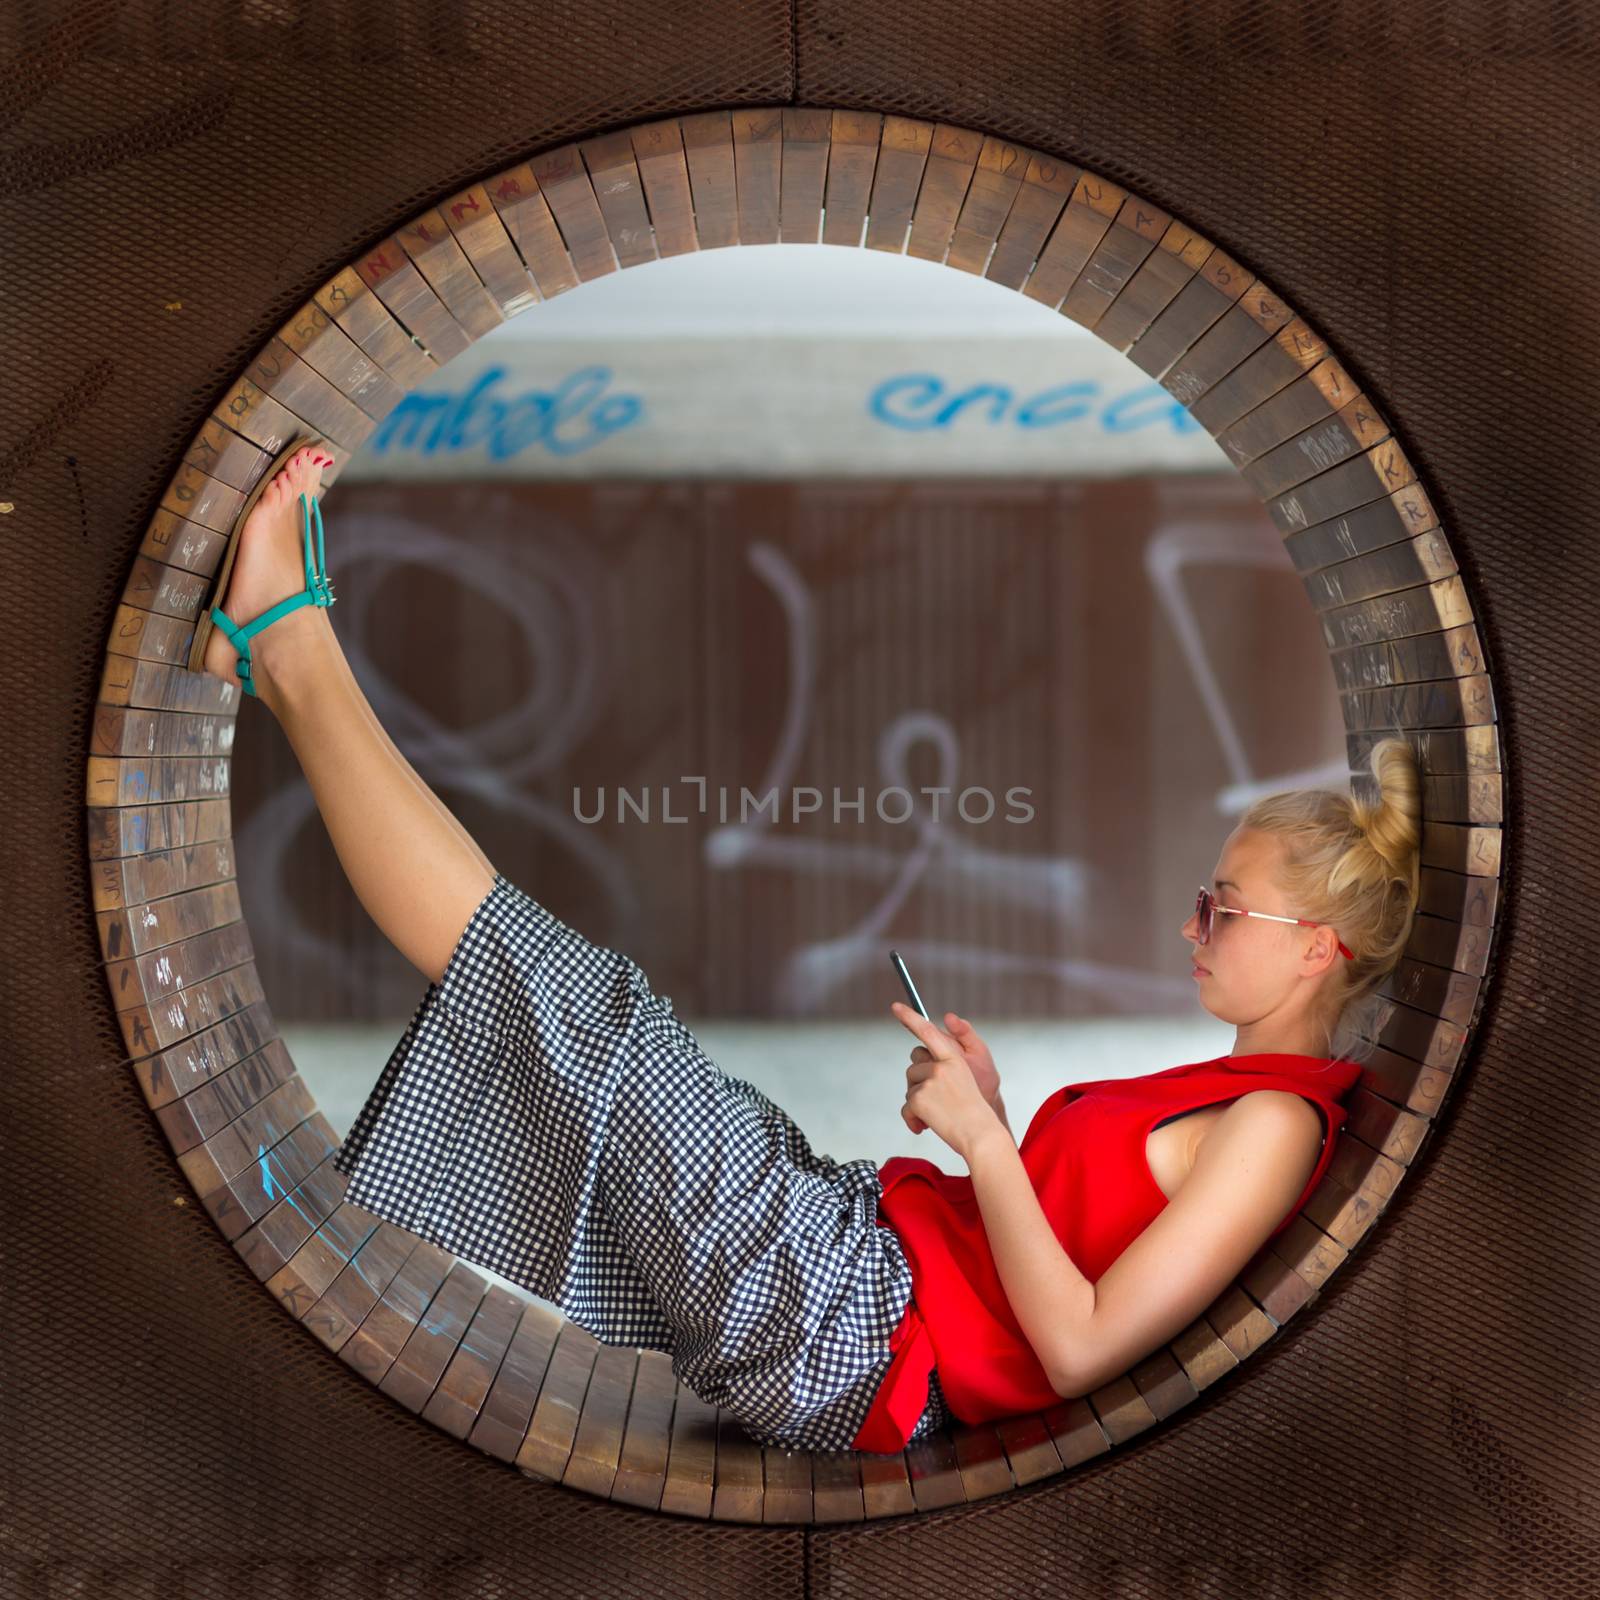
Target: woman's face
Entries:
(1255, 970)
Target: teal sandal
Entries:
(317, 592)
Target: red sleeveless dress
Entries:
(1084, 1154)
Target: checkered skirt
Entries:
(548, 1116)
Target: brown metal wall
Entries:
(1419, 179)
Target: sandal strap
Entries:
(317, 592)
(318, 584)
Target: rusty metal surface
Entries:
(169, 198)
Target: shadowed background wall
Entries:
(1419, 180)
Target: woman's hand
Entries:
(984, 1072)
(944, 1093)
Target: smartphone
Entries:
(911, 988)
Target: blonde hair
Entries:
(1356, 865)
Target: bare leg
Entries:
(413, 866)
(417, 871)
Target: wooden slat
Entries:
(1462, 896)
(207, 1109)
(1439, 991)
(902, 155)
(1438, 703)
(1030, 1448)
(1275, 1286)
(982, 1461)
(1421, 655)
(803, 174)
(1046, 187)
(1420, 558)
(502, 1422)
(619, 193)
(1378, 523)
(240, 1144)
(1081, 227)
(254, 414)
(464, 1384)
(1462, 849)
(946, 173)
(736, 1491)
(647, 1441)
(1450, 942)
(1243, 329)
(178, 1037)
(885, 1484)
(1163, 1384)
(1238, 1321)
(147, 636)
(1347, 1214)
(1395, 1130)
(158, 977)
(597, 1446)
(434, 1340)
(148, 730)
(1382, 470)
(1161, 278)
(328, 345)
(935, 1472)
(342, 1307)
(366, 320)
(1213, 290)
(1204, 1356)
(692, 1457)
(708, 144)
(1284, 387)
(389, 273)
(758, 168)
(437, 254)
(314, 403)
(992, 190)
(1354, 429)
(132, 930)
(1423, 1037)
(1443, 750)
(1076, 1432)
(326, 1250)
(786, 1485)
(1429, 609)
(547, 1449)
(373, 1348)
(154, 874)
(268, 1241)
(664, 171)
(852, 161)
(1122, 1411)
(1122, 250)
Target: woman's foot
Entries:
(269, 567)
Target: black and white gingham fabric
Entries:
(548, 1116)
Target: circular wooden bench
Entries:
(495, 1368)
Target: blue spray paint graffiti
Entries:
(269, 1184)
(918, 402)
(432, 424)
(575, 416)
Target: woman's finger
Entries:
(939, 1043)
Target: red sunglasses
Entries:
(1205, 907)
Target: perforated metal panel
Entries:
(1437, 1430)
